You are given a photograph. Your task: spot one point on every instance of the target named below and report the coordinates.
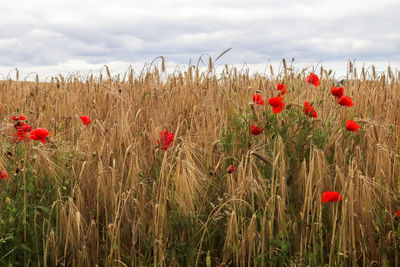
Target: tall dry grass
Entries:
(118, 200)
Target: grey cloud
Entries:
(98, 32)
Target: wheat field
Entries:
(106, 194)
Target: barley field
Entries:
(113, 189)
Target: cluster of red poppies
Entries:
(23, 129)
(278, 106)
(21, 134)
(24, 132)
(346, 101)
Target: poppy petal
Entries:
(312, 78)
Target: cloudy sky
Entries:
(64, 36)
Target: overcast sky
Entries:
(49, 37)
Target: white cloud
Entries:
(68, 35)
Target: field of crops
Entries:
(247, 175)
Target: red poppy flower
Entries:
(276, 103)
(231, 168)
(39, 134)
(337, 91)
(331, 197)
(3, 175)
(352, 126)
(312, 78)
(309, 110)
(398, 213)
(166, 140)
(257, 99)
(85, 120)
(20, 135)
(26, 128)
(20, 117)
(22, 131)
(255, 130)
(18, 124)
(283, 88)
(346, 101)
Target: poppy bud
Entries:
(231, 169)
